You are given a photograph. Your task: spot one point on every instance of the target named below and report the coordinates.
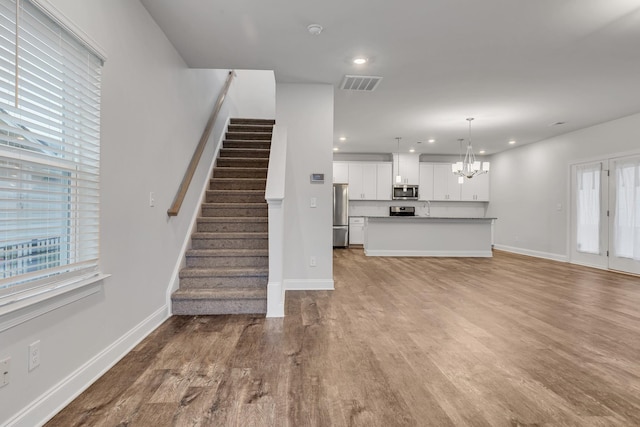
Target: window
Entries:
(49, 152)
(588, 208)
(627, 211)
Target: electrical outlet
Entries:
(152, 199)
(5, 366)
(34, 355)
(312, 261)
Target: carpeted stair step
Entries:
(232, 224)
(239, 240)
(237, 184)
(219, 301)
(249, 136)
(209, 258)
(235, 209)
(227, 267)
(235, 196)
(223, 277)
(257, 122)
(261, 145)
(250, 128)
(240, 173)
(241, 162)
(254, 153)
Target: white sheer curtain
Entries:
(588, 207)
(627, 215)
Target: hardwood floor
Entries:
(504, 341)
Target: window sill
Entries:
(42, 301)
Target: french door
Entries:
(605, 206)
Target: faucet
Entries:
(427, 204)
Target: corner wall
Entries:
(306, 110)
(530, 185)
(153, 112)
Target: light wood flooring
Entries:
(505, 341)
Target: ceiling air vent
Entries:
(360, 83)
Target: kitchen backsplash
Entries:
(442, 209)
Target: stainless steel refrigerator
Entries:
(340, 215)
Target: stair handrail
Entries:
(197, 154)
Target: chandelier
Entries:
(469, 167)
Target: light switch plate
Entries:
(5, 365)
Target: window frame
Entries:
(33, 298)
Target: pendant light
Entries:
(469, 167)
(398, 176)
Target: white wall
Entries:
(306, 111)
(153, 112)
(530, 187)
(254, 91)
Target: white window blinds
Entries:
(626, 225)
(49, 151)
(588, 200)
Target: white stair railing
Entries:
(275, 195)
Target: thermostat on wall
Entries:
(317, 178)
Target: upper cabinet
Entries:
(369, 180)
(445, 183)
(340, 172)
(425, 188)
(406, 165)
(436, 182)
(362, 181)
(384, 190)
(475, 189)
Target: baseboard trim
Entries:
(529, 252)
(404, 253)
(60, 395)
(308, 285)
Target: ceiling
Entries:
(516, 66)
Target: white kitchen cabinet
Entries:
(445, 183)
(384, 187)
(475, 189)
(362, 181)
(425, 188)
(406, 165)
(340, 172)
(356, 230)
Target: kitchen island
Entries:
(427, 236)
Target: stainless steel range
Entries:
(402, 211)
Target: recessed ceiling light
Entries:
(512, 142)
(335, 148)
(431, 141)
(412, 150)
(342, 138)
(481, 151)
(360, 60)
(314, 29)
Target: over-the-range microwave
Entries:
(405, 192)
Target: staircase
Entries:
(228, 266)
